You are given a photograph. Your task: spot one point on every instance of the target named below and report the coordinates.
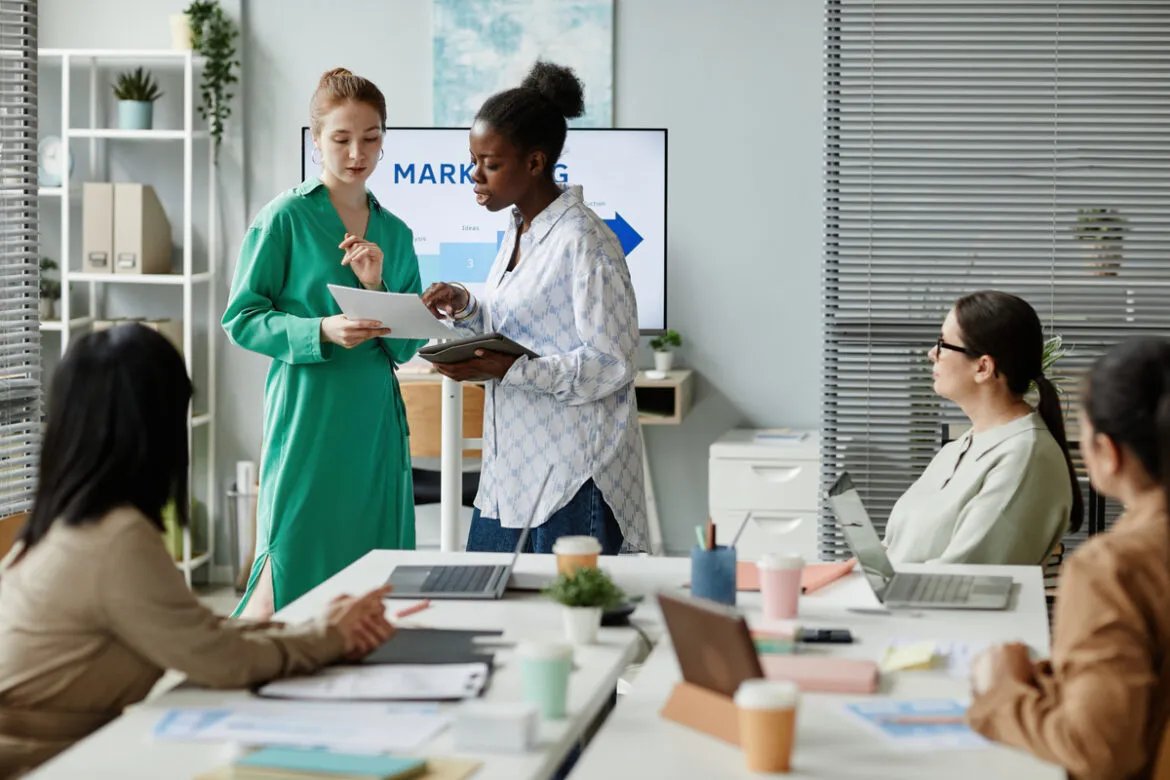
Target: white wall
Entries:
(737, 82)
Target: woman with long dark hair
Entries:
(93, 609)
(1006, 491)
(1101, 705)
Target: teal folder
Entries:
(329, 762)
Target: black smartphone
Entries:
(836, 636)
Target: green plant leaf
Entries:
(664, 341)
(587, 587)
(214, 36)
(138, 85)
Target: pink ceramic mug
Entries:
(780, 584)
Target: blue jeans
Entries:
(586, 514)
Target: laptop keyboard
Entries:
(949, 589)
(458, 579)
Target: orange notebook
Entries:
(822, 675)
(814, 577)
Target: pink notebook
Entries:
(822, 675)
(814, 577)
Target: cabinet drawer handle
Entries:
(777, 523)
(778, 474)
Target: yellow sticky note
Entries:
(909, 658)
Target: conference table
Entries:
(830, 743)
(633, 740)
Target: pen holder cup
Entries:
(713, 574)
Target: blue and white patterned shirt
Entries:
(570, 300)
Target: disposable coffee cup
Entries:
(780, 584)
(767, 723)
(544, 675)
(576, 552)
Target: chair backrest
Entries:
(9, 528)
(424, 415)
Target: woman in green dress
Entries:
(335, 469)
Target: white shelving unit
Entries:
(188, 278)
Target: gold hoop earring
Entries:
(315, 156)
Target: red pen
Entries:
(412, 609)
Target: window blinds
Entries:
(1022, 146)
(20, 379)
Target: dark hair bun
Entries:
(560, 85)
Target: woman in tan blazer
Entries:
(92, 608)
(1100, 706)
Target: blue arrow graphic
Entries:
(626, 234)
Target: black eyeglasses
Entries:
(940, 345)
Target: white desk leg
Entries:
(651, 503)
(451, 475)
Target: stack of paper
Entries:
(356, 727)
(385, 682)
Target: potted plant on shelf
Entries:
(662, 344)
(1103, 230)
(584, 594)
(213, 34)
(50, 290)
(136, 91)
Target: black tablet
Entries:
(464, 349)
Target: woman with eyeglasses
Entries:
(1006, 491)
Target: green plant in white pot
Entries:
(136, 91)
(662, 345)
(584, 595)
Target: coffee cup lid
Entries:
(576, 545)
(780, 561)
(544, 651)
(767, 694)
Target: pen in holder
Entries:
(713, 574)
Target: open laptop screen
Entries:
(860, 533)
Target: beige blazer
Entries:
(92, 616)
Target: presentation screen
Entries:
(425, 179)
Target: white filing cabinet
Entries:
(776, 485)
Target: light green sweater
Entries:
(999, 497)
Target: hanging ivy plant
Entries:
(214, 36)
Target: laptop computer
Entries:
(902, 589)
(457, 581)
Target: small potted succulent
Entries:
(662, 344)
(50, 290)
(584, 595)
(136, 91)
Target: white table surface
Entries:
(124, 749)
(636, 742)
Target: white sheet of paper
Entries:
(358, 727)
(404, 313)
(385, 682)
